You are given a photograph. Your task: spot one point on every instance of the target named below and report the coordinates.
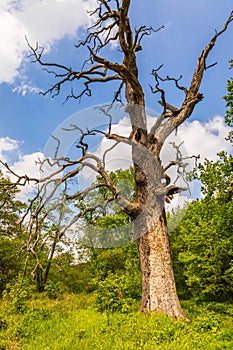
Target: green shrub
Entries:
(54, 290)
(112, 295)
(16, 296)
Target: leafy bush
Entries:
(16, 296)
(112, 295)
(117, 278)
(54, 290)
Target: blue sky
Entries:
(28, 119)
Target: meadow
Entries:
(73, 323)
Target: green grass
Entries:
(73, 324)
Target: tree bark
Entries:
(158, 283)
(150, 229)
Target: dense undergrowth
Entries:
(73, 323)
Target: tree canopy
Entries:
(229, 105)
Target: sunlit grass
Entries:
(73, 323)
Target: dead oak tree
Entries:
(112, 24)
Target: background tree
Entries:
(152, 183)
(43, 244)
(10, 208)
(11, 233)
(229, 105)
(109, 226)
(202, 243)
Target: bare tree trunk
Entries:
(49, 262)
(150, 226)
(39, 279)
(158, 284)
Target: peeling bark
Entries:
(158, 283)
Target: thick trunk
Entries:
(158, 284)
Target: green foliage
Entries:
(16, 295)
(124, 180)
(54, 290)
(116, 278)
(70, 276)
(10, 208)
(122, 260)
(114, 272)
(108, 231)
(202, 244)
(25, 328)
(112, 295)
(229, 104)
(11, 261)
(109, 226)
(66, 324)
(202, 251)
(11, 235)
(217, 178)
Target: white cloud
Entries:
(26, 165)
(11, 46)
(7, 145)
(199, 138)
(20, 164)
(49, 20)
(119, 156)
(43, 21)
(205, 138)
(24, 87)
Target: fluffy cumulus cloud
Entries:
(205, 138)
(7, 146)
(43, 21)
(19, 163)
(27, 165)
